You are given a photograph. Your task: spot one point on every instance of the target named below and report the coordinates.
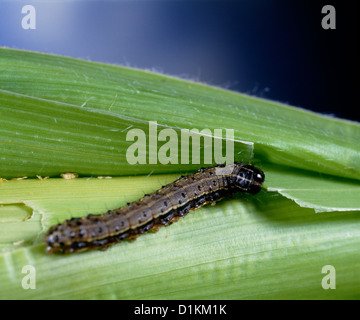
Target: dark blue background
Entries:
(275, 49)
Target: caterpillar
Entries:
(162, 207)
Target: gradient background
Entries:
(274, 49)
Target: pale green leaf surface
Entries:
(264, 246)
(314, 190)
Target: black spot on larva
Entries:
(79, 245)
(50, 240)
(100, 242)
(121, 236)
(79, 234)
(82, 233)
(167, 218)
(213, 196)
(184, 210)
(146, 227)
(200, 201)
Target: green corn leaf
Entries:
(263, 246)
(62, 115)
(281, 134)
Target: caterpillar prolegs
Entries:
(160, 208)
